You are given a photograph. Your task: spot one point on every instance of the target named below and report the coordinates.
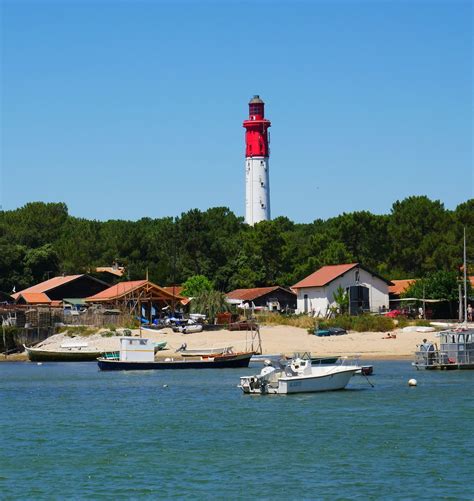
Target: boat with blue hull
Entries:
(232, 361)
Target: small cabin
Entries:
(457, 347)
(135, 349)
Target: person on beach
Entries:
(469, 313)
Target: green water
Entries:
(71, 432)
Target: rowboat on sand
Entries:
(202, 352)
(64, 355)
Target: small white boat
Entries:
(184, 352)
(298, 376)
(261, 359)
(153, 328)
(190, 328)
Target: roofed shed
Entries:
(137, 295)
(58, 288)
(274, 298)
(366, 290)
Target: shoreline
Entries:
(23, 358)
(274, 340)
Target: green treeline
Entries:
(417, 237)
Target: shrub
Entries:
(422, 323)
(132, 323)
(10, 335)
(107, 334)
(402, 322)
(360, 323)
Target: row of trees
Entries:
(419, 236)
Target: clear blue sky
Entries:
(133, 109)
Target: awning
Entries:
(75, 300)
(421, 300)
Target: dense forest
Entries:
(419, 236)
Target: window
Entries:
(256, 109)
(357, 277)
(305, 303)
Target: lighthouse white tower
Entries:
(257, 152)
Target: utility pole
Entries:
(465, 279)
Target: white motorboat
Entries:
(298, 376)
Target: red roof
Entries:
(117, 290)
(34, 297)
(324, 275)
(47, 285)
(400, 286)
(251, 294)
(177, 289)
(123, 288)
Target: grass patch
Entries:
(133, 323)
(77, 330)
(302, 321)
(360, 323)
(421, 322)
(403, 322)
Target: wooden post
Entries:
(4, 339)
(424, 303)
(140, 315)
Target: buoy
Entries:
(412, 382)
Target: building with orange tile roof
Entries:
(137, 295)
(59, 288)
(115, 270)
(366, 290)
(400, 286)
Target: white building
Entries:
(367, 291)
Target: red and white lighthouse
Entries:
(257, 153)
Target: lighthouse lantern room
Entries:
(257, 153)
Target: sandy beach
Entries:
(275, 340)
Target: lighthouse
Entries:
(257, 153)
